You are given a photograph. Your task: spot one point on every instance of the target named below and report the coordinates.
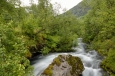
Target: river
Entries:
(91, 61)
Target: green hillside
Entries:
(80, 9)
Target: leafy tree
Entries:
(12, 53)
(45, 31)
(31, 29)
(100, 26)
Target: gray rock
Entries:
(64, 65)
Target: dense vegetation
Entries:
(97, 22)
(31, 29)
(40, 29)
(99, 25)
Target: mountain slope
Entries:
(80, 9)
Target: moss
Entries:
(75, 62)
(57, 61)
(48, 70)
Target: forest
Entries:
(39, 28)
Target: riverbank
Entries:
(90, 59)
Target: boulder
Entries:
(64, 65)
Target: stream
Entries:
(91, 61)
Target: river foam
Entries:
(91, 61)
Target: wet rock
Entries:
(64, 65)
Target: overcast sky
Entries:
(64, 3)
(67, 3)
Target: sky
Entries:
(65, 4)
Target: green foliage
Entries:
(6, 6)
(12, 53)
(109, 62)
(45, 50)
(31, 29)
(46, 32)
(99, 31)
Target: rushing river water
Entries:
(91, 61)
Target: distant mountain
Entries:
(80, 9)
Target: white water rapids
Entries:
(91, 61)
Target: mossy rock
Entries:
(48, 70)
(76, 64)
(66, 65)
